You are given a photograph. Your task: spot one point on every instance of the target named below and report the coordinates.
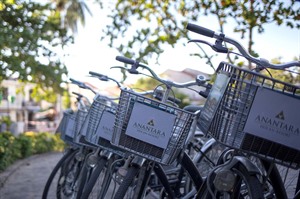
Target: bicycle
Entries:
(149, 156)
(225, 117)
(70, 165)
(98, 126)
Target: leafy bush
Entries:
(26, 144)
(6, 120)
(9, 150)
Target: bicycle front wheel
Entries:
(88, 189)
(246, 185)
(52, 178)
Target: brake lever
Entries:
(130, 70)
(133, 68)
(78, 83)
(216, 47)
(200, 41)
(120, 67)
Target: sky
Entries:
(89, 53)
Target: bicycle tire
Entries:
(94, 176)
(83, 179)
(69, 177)
(271, 171)
(253, 183)
(131, 174)
(107, 179)
(159, 172)
(275, 179)
(55, 170)
(192, 170)
(290, 179)
(297, 195)
(207, 158)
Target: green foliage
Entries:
(74, 12)
(183, 98)
(9, 150)
(31, 44)
(13, 148)
(6, 120)
(145, 84)
(250, 16)
(26, 144)
(139, 29)
(66, 100)
(290, 76)
(147, 25)
(43, 142)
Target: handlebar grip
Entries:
(125, 60)
(75, 81)
(96, 74)
(200, 30)
(99, 76)
(79, 95)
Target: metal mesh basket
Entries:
(66, 126)
(151, 129)
(100, 122)
(78, 125)
(254, 113)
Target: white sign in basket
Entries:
(150, 125)
(213, 100)
(70, 130)
(84, 126)
(106, 125)
(276, 117)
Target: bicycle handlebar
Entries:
(150, 92)
(78, 94)
(105, 78)
(79, 97)
(82, 85)
(125, 60)
(99, 76)
(135, 64)
(261, 62)
(200, 30)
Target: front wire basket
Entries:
(66, 126)
(100, 122)
(254, 113)
(150, 129)
(79, 133)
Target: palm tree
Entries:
(72, 11)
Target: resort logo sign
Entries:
(149, 129)
(150, 125)
(280, 115)
(277, 125)
(275, 116)
(151, 122)
(105, 128)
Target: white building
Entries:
(20, 107)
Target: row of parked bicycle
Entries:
(242, 143)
